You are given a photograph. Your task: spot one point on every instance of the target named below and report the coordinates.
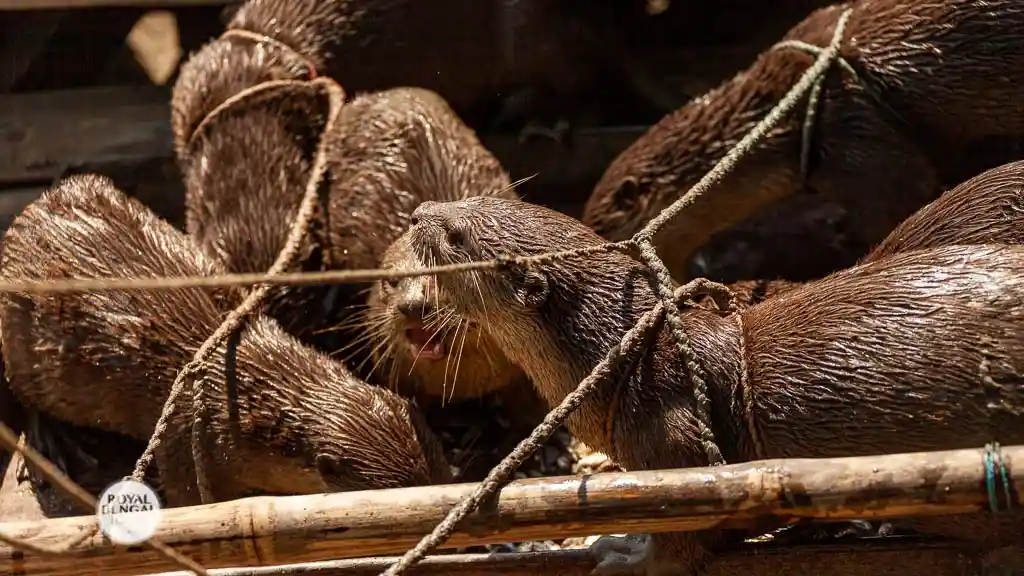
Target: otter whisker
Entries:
(355, 321)
(458, 359)
(381, 359)
(422, 348)
(483, 301)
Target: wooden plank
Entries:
(75, 4)
(43, 133)
(276, 530)
(874, 557)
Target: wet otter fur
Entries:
(245, 174)
(986, 209)
(879, 344)
(388, 152)
(394, 150)
(300, 422)
(948, 70)
(424, 348)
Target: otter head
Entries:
(219, 70)
(556, 320)
(674, 154)
(369, 438)
(424, 346)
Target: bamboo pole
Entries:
(277, 530)
(901, 556)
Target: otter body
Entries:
(294, 420)
(388, 152)
(986, 209)
(946, 73)
(930, 332)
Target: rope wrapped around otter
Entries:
(234, 320)
(641, 243)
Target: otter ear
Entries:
(533, 288)
(626, 194)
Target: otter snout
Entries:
(415, 304)
(414, 301)
(440, 232)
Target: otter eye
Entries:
(456, 238)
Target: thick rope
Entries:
(642, 240)
(74, 492)
(264, 39)
(234, 320)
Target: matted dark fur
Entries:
(987, 209)
(283, 418)
(918, 351)
(951, 70)
(388, 152)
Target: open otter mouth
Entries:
(426, 345)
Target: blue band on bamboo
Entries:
(994, 458)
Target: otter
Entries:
(245, 173)
(986, 209)
(388, 152)
(920, 332)
(427, 351)
(937, 100)
(300, 422)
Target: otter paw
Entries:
(620, 556)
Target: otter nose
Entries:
(415, 309)
(426, 210)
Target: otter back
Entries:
(298, 421)
(937, 101)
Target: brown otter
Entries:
(879, 344)
(987, 209)
(388, 152)
(428, 351)
(299, 422)
(881, 158)
(245, 173)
